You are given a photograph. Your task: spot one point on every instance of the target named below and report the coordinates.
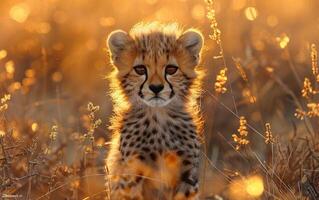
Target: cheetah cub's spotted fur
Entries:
(155, 85)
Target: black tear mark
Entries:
(141, 87)
(171, 86)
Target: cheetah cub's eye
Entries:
(171, 69)
(140, 69)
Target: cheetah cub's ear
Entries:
(192, 41)
(120, 45)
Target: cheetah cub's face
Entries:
(155, 63)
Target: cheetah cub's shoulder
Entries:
(155, 84)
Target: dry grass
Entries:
(260, 102)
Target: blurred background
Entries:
(53, 62)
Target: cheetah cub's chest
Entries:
(150, 135)
(164, 148)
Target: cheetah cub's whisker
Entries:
(155, 86)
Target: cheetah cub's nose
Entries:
(156, 88)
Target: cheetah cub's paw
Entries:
(187, 192)
(127, 190)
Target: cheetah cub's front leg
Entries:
(188, 188)
(125, 180)
(187, 192)
(189, 184)
(126, 188)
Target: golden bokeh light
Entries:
(270, 69)
(14, 86)
(15, 133)
(100, 142)
(10, 67)
(20, 12)
(2, 133)
(34, 126)
(246, 188)
(107, 21)
(57, 77)
(75, 184)
(30, 73)
(237, 190)
(254, 186)
(3, 54)
(283, 40)
(251, 13)
(43, 28)
(28, 81)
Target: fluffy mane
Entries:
(146, 28)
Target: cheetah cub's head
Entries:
(155, 62)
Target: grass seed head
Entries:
(314, 60)
(240, 69)
(269, 139)
(307, 91)
(213, 22)
(4, 102)
(53, 133)
(221, 80)
(241, 137)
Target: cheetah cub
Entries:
(155, 85)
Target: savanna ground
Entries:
(260, 100)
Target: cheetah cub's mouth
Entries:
(157, 102)
(155, 67)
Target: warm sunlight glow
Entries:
(100, 142)
(30, 73)
(283, 41)
(88, 85)
(151, 2)
(57, 77)
(59, 17)
(107, 21)
(3, 54)
(254, 186)
(198, 12)
(34, 127)
(14, 86)
(238, 4)
(2, 133)
(9, 67)
(251, 13)
(43, 28)
(20, 12)
(251, 186)
(272, 21)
